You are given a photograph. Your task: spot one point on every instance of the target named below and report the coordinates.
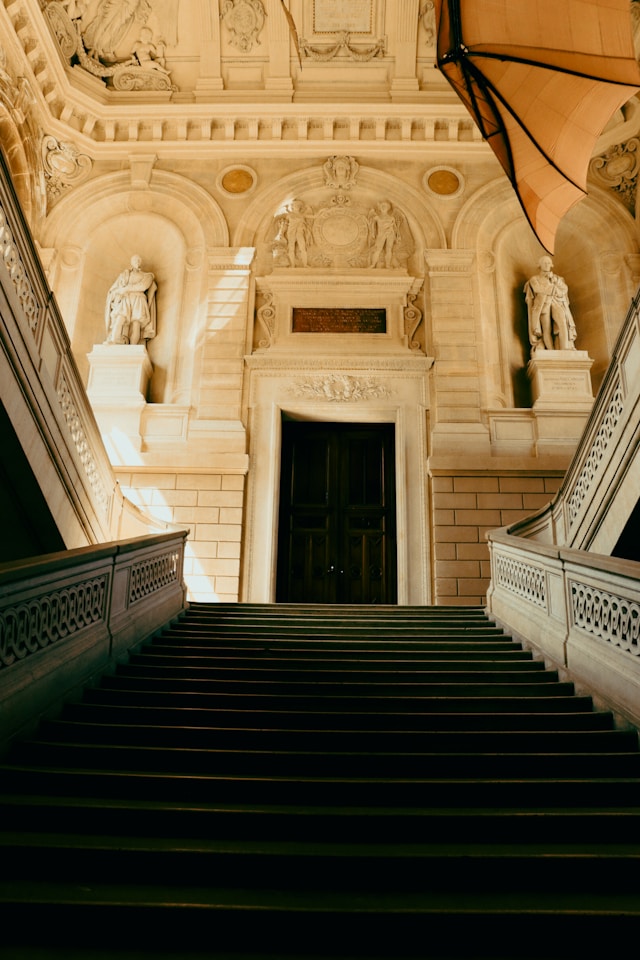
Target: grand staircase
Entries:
(313, 782)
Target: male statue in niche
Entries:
(130, 312)
(551, 325)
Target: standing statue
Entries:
(551, 325)
(130, 313)
(384, 233)
(293, 231)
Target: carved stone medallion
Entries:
(244, 20)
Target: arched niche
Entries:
(171, 224)
(593, 244)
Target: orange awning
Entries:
(541, 78)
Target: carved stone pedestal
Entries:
(561, 379)
(119, 378)
(562, 397)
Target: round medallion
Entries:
(237, 181)
(443, 182)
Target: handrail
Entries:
(66, 616)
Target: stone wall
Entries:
(210, 507)
(464, 508)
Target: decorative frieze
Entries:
(32, 625)
(345, 46)
(340, 388)
(611, 618)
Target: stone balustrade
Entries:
(554, 581)
(65, 617)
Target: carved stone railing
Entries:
(554, 582)
(42, 392)
(580, 610)
(67, 616)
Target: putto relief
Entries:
(341, 233)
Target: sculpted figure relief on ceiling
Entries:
(121, 41)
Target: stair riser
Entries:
(544, 699)
(318, 826)
(386, 766)
(225, 932)
(321, 741)
(416, 875)
(559, 792)
(441, 722)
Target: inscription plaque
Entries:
(334, 16)
(339, 320)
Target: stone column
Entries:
(223, 341)
(279, 80)
(405, 83)
(458, 426)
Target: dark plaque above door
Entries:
(339, 320)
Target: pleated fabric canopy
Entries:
(541, 78)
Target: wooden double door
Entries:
(337, 520)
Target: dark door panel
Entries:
(337, 514)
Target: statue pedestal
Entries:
(561, 379)
(119, 376)
(562, 398)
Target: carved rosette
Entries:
(64, 166)
(244, 19)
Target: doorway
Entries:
(337, 517)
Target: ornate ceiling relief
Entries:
(64, 166)
(244, 19)
(341, 232)
(618, 169)
(114, 40)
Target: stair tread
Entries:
(242, 768)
